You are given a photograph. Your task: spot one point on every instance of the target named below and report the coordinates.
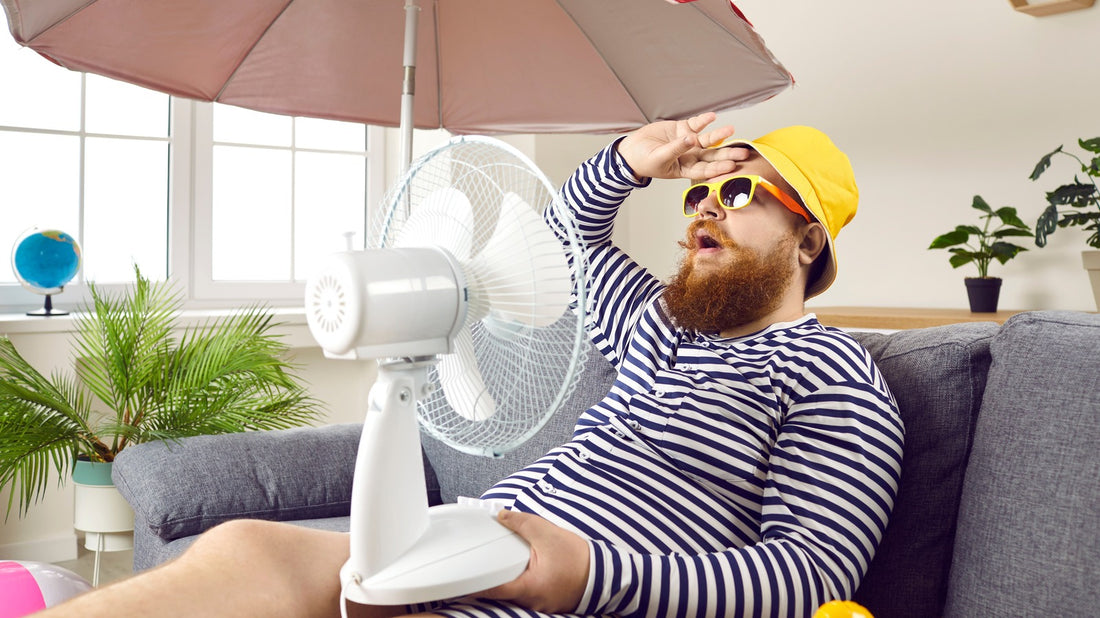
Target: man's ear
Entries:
(814, 239)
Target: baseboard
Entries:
(56, 549)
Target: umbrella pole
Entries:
(409, 86)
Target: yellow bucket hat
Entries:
(821, 174)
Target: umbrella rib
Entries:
(248, 53)
(773, 59)
(611, 70)
(786, 74)
(54, 24)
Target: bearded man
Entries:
(744, 463)
(746, 459)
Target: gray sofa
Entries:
(998, 512)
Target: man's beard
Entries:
(747, 286)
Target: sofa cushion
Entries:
(937, 376)
(461, 474)
(151, 550)
(1028, 540)
(182, 488)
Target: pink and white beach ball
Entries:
(27, 587)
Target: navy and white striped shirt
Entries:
(748, 476)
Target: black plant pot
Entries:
(983, 293)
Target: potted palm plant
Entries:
(137, 376)
(1075, 204)
(988, 244)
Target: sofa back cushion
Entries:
(1028, 539)
(937, 376)
(457, 476)
(181, 488)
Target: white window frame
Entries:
(190, 143)
(203, 289)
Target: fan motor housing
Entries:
(379, 303)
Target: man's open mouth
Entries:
(704, 241)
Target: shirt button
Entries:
(635, 425)
(583, 455)
(659, 393)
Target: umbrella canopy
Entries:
(484, 66)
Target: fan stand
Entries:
(402, 551)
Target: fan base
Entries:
(465, 550)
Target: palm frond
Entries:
(37, 438)
(21, 382)
(123, 341)
(228, 375)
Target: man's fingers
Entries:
(697, 123)
(526, 525)
(715, 137)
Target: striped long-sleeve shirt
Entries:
(748, 476)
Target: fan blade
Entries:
(461, 380)
(443, 219)
(522, 274)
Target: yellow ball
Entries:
(842, 609)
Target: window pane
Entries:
(329, 199)
(251, 214)
(244, 126)
(38, 187)
(37, 93)
(124, 109)
(125, 209)
(329, 134)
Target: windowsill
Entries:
(289, 321)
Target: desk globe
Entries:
(44, 261)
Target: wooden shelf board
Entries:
(900, 318)
(1052, 7)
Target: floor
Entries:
(113, 565)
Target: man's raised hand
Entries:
(679, 149)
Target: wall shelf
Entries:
(1051, 7)
(899, 318)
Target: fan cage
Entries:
(530, 372)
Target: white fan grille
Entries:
(529, 371)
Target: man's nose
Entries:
(710, 208)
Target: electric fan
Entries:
(463, 295)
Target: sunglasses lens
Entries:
(736, 192)
(694, 196)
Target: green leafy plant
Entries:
(988, 244)
(1076, 204)
(225, 376)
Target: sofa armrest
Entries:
(185, 487)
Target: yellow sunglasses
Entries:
(737, 192)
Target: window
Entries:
(234, 204)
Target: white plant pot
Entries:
(100, 511)
(1091, 260)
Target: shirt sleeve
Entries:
(832, 480)
(617, 290)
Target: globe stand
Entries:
(47, 310)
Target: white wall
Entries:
(934, 102)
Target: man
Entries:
(744, 462)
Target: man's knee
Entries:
(240, 536)
(297, 566)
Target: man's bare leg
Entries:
(240, 568)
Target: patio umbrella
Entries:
(485, 66)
